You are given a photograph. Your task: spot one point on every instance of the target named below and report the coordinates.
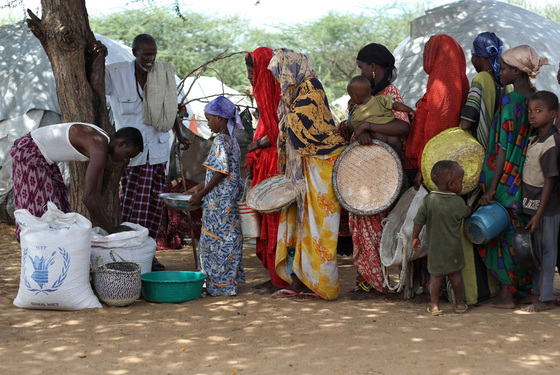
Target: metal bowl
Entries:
(523, 247)
(178, 201)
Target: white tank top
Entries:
(54, 142)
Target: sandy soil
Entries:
(253, 334)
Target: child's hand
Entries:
(533, 224)
(416, 244)
(196, 199)
(194, 189)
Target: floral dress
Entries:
(221, 241)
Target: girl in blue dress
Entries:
(220, 253)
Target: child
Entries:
(221, 240)
(374, 109)
(442, 211)
(501, 179)
(541, 198)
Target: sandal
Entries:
(306, 296)
(434, 313)
(461, 311)
(283, 293)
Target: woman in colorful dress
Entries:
(377, 64)
(308, 146)
(483, 100)
(220, 254)
(501, 173)
(262, 157)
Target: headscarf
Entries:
(223, 107)
(308, 128)
(488, 44)
(378, 54)
(446, 94)
(291, 69)
(267, 95)
(526, 59)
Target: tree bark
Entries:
(79, 73)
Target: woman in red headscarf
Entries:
(446, 94)
(262, 157)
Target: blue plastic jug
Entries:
(486, 223)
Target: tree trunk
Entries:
(79, 73)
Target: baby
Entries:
(374, 109)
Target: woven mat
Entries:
(271, 195)
(367, 179)
(458, 145)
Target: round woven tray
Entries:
(367, 179)
(458, 145)
(271, 195)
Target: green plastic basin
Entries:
(172, 286)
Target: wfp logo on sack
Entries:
(38, 269)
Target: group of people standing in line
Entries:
(296, 136)
(502, 110)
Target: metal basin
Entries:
(178, 201)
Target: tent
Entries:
(28, 91)
(465, 19)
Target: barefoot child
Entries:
(442, 211)
(500, 179)
(221, 240)
(541, 198)
(374, 109)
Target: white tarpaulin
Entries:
(464, 20)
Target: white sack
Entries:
(55, 253)
(133, 246)
(397, 230)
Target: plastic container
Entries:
(172, 286)
(486, 223)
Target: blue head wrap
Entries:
(223, 107)
(487, 44)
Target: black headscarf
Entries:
(378, 54)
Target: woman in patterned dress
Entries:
(220, 254)
(308, 146)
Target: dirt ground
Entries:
(253, 334)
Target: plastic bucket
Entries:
(172, 286)
(250, 221)
(486, 223)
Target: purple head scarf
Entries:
(223, 107)
(487, 44)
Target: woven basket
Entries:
(458, 145)
(271, 195)
(367, 179)
(117, 283)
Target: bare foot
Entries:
(267, 289)
(504, 299)
(531, 298)
(263, 285)
(539, 306)
(306, 296)
(499, 303)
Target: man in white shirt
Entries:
(143, 95)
